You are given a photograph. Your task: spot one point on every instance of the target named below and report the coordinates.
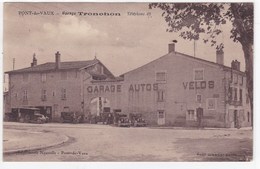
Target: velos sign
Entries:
(198, 85)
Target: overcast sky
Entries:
(122, 42)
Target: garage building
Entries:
(174, 90)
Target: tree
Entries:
(195, 20)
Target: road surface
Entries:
(90, 142)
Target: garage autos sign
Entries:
(118, 88)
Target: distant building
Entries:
(176, 90)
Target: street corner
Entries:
(21, 140)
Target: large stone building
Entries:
(53, 86)
(176, 89)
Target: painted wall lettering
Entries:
(118, 88)
(192, 85)
(143, 87)
(185, 84)
(104, 89)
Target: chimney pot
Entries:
(220, 56)
(235, 65)
(34, 62)
(57, 60)
(171, 47)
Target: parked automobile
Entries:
(26, 115)
(124, 122)
(137, 120)
(71, 117)
(140, 122)
(38, 118)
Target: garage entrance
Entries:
(99, 105)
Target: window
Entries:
(241, 95)
(160, 114)
(53, 93)
(64, 75)
(198, 98)
(235, 94)
(25, 96)
(160, 76)
(44, 77)
(198, 74)
(44, 95)
(240, 80)
(160, 96)
(247, 98)
(230, 93)
(63, 94)
(190, 115)
(25, 77)
(248, 117)
(211, 104)
(235, 78)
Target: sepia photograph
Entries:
(128, 82)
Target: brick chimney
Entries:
(220, 56)
(34, 62)
(57, 60)
(171, 47)
(235, 65)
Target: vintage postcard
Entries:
(128, 82)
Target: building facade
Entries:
(174, 90)
(54, 86)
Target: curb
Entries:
(66, 139)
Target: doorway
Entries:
(99, 105)
(236, 119)
(161, 117)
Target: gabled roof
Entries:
(49, 66)
(190, 57)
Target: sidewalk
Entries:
(17, 140)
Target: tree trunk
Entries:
(248, 54)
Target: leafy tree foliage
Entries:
(192, 20)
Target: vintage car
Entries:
(71, 117)
(137, 120)
(27, 115)
(140, 122)
(124, 122)
(38, 118)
